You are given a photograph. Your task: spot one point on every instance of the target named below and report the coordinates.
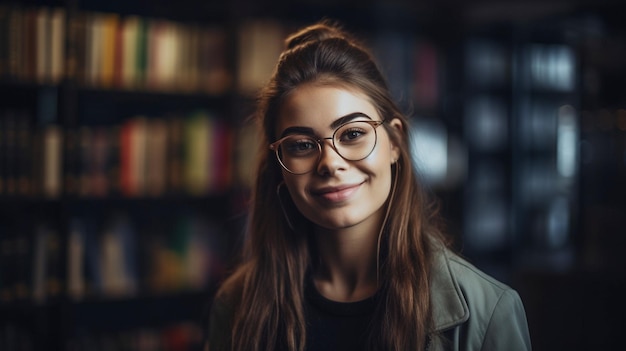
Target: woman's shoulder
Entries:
(462, 288)
(465, 297)
(472, 279)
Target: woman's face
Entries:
(337, 193)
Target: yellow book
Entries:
(109, 30)
(57, 47)
(197, 162)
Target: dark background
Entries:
(511, 80)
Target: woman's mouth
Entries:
(337, 194)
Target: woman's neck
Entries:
(347, 269)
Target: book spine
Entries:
(142, 51)
(53, 161)
(99, 157)
(58, 35)
(84, 160)
(15, 43)
(108, 27)
(29, 28)
(39, 264)
(175, 154)
(129, 52)
(197, 150)
(156, 157)
(42, 42)
(76, 260)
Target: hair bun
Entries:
(317, 32)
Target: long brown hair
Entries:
(267, 289)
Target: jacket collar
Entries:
(448, 304)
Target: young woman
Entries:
(343, 249)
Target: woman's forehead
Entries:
(320, 106)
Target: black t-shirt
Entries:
(333, 325)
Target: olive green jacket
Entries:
(474, 312)
(471, 311)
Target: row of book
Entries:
(112, 256)
(107, 50)
(190, 154)
(180, 336)
(32, 48)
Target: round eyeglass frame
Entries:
(276, 145)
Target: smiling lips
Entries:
(337, 194)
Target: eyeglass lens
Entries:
(353, 141)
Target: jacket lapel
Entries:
(448, 304)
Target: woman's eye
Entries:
(300, 146)
(351, 135)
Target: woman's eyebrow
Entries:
(297, 130)
(347, 118)
(334, 125)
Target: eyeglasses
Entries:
(300, 153)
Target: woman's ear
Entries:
(397, 127)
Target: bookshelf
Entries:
(81, 126)
(118, 192)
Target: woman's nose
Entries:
(330, 161)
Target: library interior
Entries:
(127, 155)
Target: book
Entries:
(198, 153)
(108, 27)
(46, 274)
(222, 150)
(27, 61)
(76, 286)
(130, 47)
(41, 54)
(213, 60)
(156, 162)
(76, 60)
(15, 43)
(117, 258)
(57, 39)
(53, 161)
(133, 156)
(163, 55)
(260, 45)
(83, 160)
(175, 154)
(142, 51)
(94, 47)
(99, 159)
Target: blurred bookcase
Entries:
(118, 191)
(126, 152)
